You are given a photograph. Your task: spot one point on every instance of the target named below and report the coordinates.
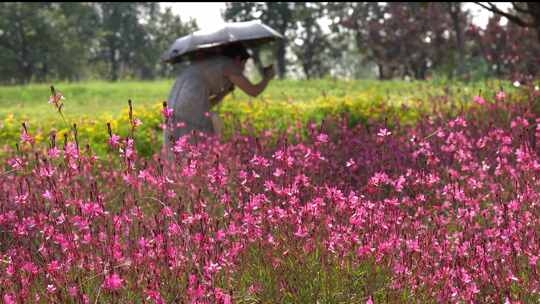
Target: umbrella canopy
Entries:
(250, 33)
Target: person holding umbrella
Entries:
(214, 72)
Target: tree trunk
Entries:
(281, 69)
(25, 63)
(382, 74)
(28, 72)
(420, 72)
(114, 64)
(534, 9)
(455, 10)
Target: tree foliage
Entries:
(404, 39)
(524, 14)
(51, 41)
(510, 50)
(73, 41)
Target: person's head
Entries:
(203, 54)
(237, 52)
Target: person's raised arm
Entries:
(253, 90)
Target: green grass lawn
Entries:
(85, 98)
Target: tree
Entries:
(403, 39)
(40, 40)
(22, 26)
(161, 30)
(524, 14)
(121, 34)
(76, 38)
(459, 21)
(356, 16)
(503, 47)
(314, 48)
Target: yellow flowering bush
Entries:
(262, 114)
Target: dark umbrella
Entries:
(251, 34)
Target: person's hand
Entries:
(269, 72)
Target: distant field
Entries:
(99, 97)
(85, 98)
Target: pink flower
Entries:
(322, 138)
(72, 150)
(220, 235)
(46, 172)
(479, 100)
(254, 288)
(301, 232)
(114, 140)
(9, 298)
(91, 209)
(154, 296)
(180, 124)
(47, 195)
(73, 290)
(226, 299)
(113, 282)
(51, 288)
(56, 99)
(25, 138)
(54, 152)
(167, 211)
(10, 270)
(171, 194)
(174, 229)
(167, 112)
(16, 163)
(278, 172)
(137, 122)
(192, 280)
(212, 268)
(130, 151)
(53, 266)
(533, 259)
(500, 96)
(384, 132)
(29, 267)
(370, 300)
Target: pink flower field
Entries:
(445, 211)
